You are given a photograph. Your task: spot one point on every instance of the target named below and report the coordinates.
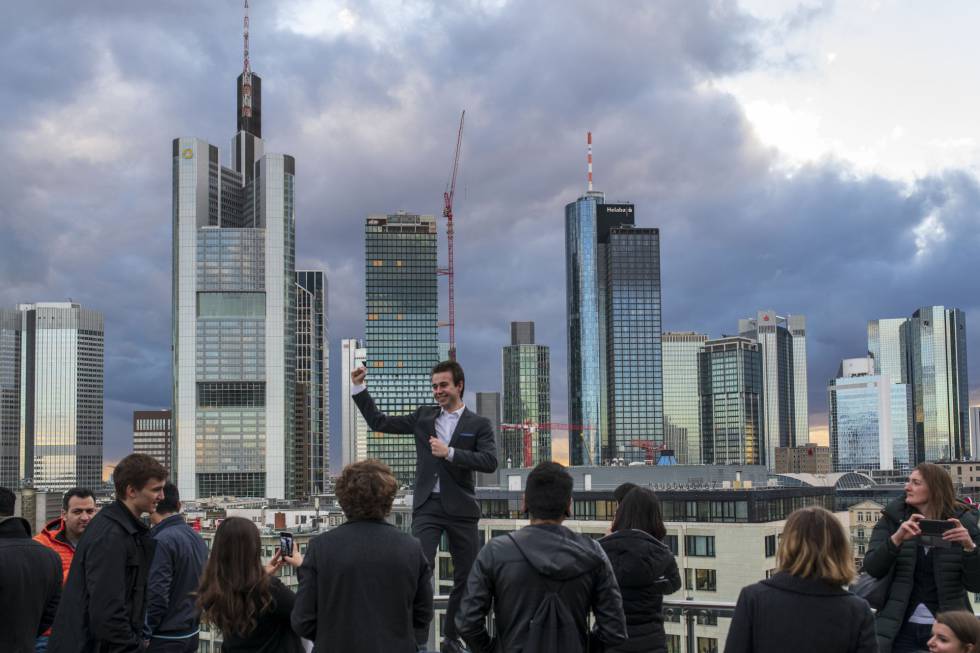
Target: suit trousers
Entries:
(429, 522)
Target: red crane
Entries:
(650, 448)
(530, 427)
(449, 271)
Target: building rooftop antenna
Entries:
(246, 71)
(590, 155)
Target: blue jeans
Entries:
(41, 644)
(912, 638)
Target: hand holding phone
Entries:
(933, 530)
(286, 544)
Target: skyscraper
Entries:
(52, 368)
(730, 380)
(312, 383)
(488, 405)
(682, 405)
(974, 431)
(868, 418)
(614, 328)
(153, 435)
(527, 398)
(234, 313)
(402, 307)
(782, 344)
(928, 352)
(353, 428)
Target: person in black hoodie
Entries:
(243, 599)
(804, 607)
(103, 605)
(645, 570)
(515, 572)
(30, 581)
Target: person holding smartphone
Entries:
(932, 566)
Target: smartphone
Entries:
(286, 544)
(932, 532)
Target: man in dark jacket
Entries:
(365, 586)
(30, 581)
(451, 442)
(514, 573)
(104, 602)
(172, 619)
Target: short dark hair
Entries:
(640, 510)
(7, 501)
(136, 469)
(548, 491)
(620, 493)
(80, 492)
(171, 500)
(452, 366)
(366, 490)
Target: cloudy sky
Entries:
(814, 158)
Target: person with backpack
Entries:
(542, 581)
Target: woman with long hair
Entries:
(955, 632)
(644, 567)
(242, 598)
(804, 607)
(926, 577)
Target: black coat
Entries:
(272, 632)
(176, 570)
(364, 587)
(104, 601)
(472, 440)
(802, 615)
(956, 571)
(30, 586)
(513, 573)
(645, 570)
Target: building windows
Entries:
(671, 542)
(700, 545)
(770, 546)
(707, 645)
(674, 644)
(704, 580)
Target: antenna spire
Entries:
(590, 153)
(246, 71)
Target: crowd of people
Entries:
(106, 580)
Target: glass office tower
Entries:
(730, 387)
(488, 405)
(527, 398)
(52, 366)
(888, 346)
(312, 383)
(354, 430)
(153, 435)
(401, 334)
(868, 418)
(682, 405)
(234, 316)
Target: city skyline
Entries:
(87, 217)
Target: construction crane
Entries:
(530, 427)
(449, 271)
(651, 450)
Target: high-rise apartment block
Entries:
(401, 333)
(527, 398)
(928, 352)
(730, 371)
(153, 435)
(869, 418)
(782, 345)
(312, 441)
(353, 428)
(615, 392)
(682, 404)
(234, 313)
(52, 368)
(809, 458)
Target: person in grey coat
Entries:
(804, 608)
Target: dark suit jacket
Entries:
(472, 441)
(364, 587)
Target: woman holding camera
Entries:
(929, 575)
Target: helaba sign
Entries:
(623, 209)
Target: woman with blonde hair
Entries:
(927, 576)
(804, 607)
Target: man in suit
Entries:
(451, 443)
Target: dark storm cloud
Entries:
(96, 92)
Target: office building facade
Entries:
(526, 399)
(401, 331)
(974, 432)
(488, 405)
(682, 405)
(52, 376)
(234, 314)
(312, 384)
(153, 435)
(730, 388)
(782, 345)
(353, 428)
